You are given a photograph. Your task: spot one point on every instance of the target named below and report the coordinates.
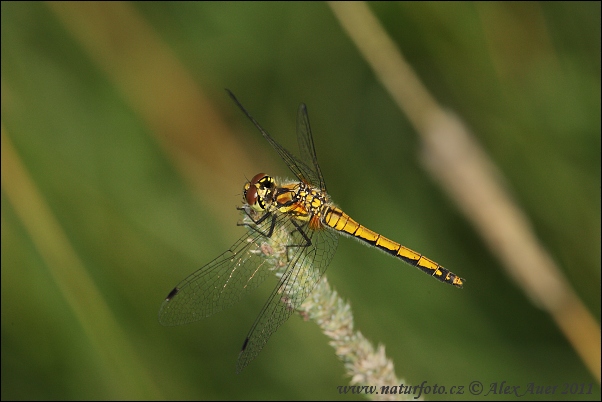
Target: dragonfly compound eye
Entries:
(250, 194)
(259, 190)
(258, 178)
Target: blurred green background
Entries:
(118, 113)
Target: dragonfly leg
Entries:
(298, 228)
(257, 222)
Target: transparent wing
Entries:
(306, 265)
(300, 169)
(222, 282)
(306, 146)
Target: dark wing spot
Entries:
(172, 294)
(244, 345)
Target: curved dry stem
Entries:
(365, 364)
(453, 156)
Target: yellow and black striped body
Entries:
(340, 221)
(306, 203)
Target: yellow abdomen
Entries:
(340, 221)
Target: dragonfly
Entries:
(293, 230)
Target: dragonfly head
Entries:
(259, 191)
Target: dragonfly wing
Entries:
(302, 171)
(306, 264)
(307, 148)
(222, 282)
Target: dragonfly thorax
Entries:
(259, 191)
